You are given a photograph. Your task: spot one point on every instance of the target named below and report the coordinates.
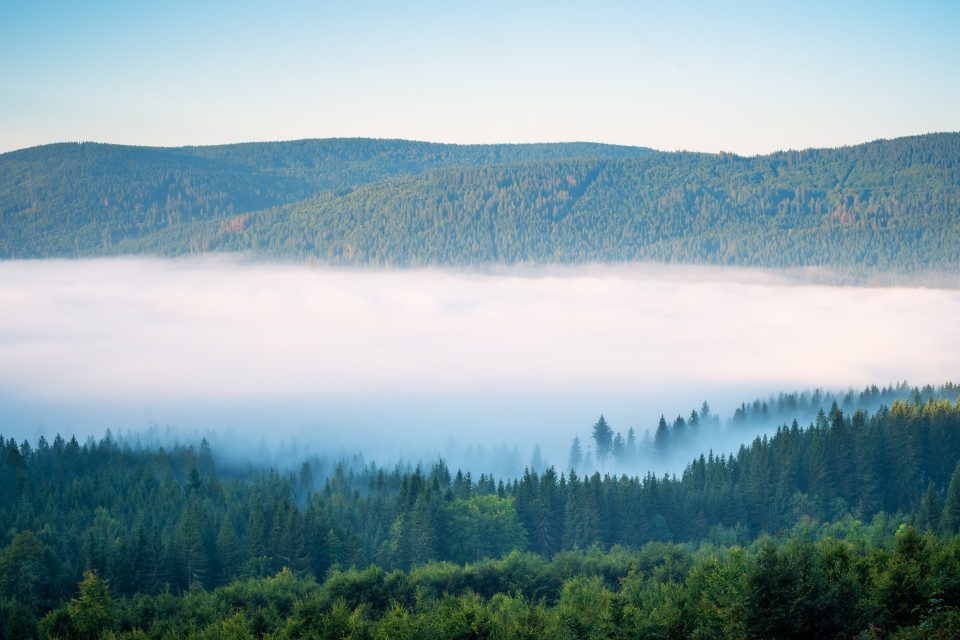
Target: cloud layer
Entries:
(359, 343)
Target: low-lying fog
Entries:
(418, 362)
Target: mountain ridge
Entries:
(887, 205)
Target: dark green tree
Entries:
(928, 515)
(950, 520)
(603, 437)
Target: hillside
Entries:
(94, 199)
(887, 206)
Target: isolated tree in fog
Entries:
(662, 437)
(631, 446)
(536, 461)
(576, 454)
(618, 447)
(603, 436)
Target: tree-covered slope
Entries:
(83, 199)
(890, 205)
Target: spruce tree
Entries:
(228, 551)
(93, 611)
(950, 520)
(603, 436)
(928, 515)
(661, 440)
(576, 454)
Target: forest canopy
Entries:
(847, 525)
(889, 206)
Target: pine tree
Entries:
(630, 451)
(228, 551)
(661, 440)
(289, 540)
(902, 454)
(950, 520)
(581, 525)
(576, 454)
(619, 449)
(192, 556)
(928, 515)
(547, 530)
(306, 479)
(536, 461)
(93, 611)
(865, 500)
(603, 437)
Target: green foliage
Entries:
(603, 438)
(17, 621)
(482, 527)
(585, 608)
(100, 199)
(27, 572)
(950, 520)
(887, 207)
(793, 587)
(93, 611)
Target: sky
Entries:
(391, 360)
(743, 77)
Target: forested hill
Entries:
(890, 205)
(83, 199)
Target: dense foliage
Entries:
(838, 584)
(100, 199)
(886, 206)
(106, 538)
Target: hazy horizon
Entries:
(611, 142)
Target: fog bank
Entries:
(393, 359)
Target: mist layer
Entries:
(516, 352)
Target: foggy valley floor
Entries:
(419, 363)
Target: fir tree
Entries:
(603, 437)
(950, 520)
(576, 454)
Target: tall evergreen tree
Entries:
(630, 450)
(603, 437)
(661, 440)
(228, 551)
(950, 520)
(576, 454)
(93, 611)
(928, 515)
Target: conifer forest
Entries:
(844, 526)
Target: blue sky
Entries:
(747, 77)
